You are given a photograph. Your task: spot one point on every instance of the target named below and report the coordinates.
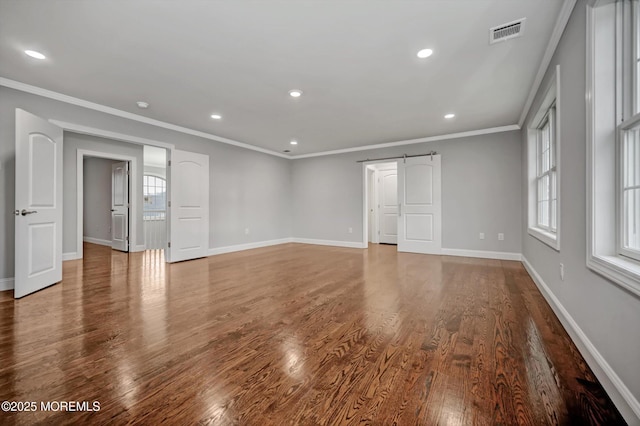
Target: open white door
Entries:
(38, 221)
(420, 203)
(189, 206)
(388, 205)
(120, 206)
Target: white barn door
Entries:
(120, 206)
(189, 206)
(420, 205)
(38, 208)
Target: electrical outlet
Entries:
(501, 237)
(482, 235)
(350, 230)
(246, 231)
(562, 272)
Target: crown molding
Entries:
(556, 35)
(153, 122)
(413, 141)
(130, 116)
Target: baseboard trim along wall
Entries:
(482, 254)
(96, 241)
(135, 249)
(349, 244)
(615, 387)
(248, 246)
(6, 284)
(70, 256)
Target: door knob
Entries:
(25, 212)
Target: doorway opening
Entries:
(154, 193)
(106, 211)
(382, 203)
(120, 233)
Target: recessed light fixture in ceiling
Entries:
(295, 93)
(449, 116)
(216, 116)
(142, 104)
(294, 142)
(424, 53)
(34, 54)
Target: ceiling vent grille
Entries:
(506, 31)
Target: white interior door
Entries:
(189, 206)
(420, 202)
(388, 205)
(120, 206)
(38, 208)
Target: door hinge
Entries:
(169, 203)
(169, 163)
(126, 238)
(169, 244)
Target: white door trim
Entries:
(133, 211)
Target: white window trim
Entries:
(602, 253)
(552, 95)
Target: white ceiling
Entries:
(355, 61)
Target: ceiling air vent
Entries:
(506, 31)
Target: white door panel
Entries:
(189, 205)
(388, 205)
(420, 216)
(38, 221)
(120, 206)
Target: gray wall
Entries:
(72, 143)
(248, 189)
(607, 314)
(481, 192)
(97, 198)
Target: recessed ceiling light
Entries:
(142, 104)
(216, 116)
(295, 93)
(294, 142)
(449, 116)
(35, 54)
(424, 53)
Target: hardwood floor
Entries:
(295, 334)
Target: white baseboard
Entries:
(619, 393)
(137, 248)
(349, 244)
(97, 241)
(500, 255)
(70, 256)
(248, 246)
(6, 284)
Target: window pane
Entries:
(632, 219)
(631, 158)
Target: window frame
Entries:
(607, 75)
(549, 109)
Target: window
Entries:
(613, 136)
(543, 152)
(155, 197)
(546, 175)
